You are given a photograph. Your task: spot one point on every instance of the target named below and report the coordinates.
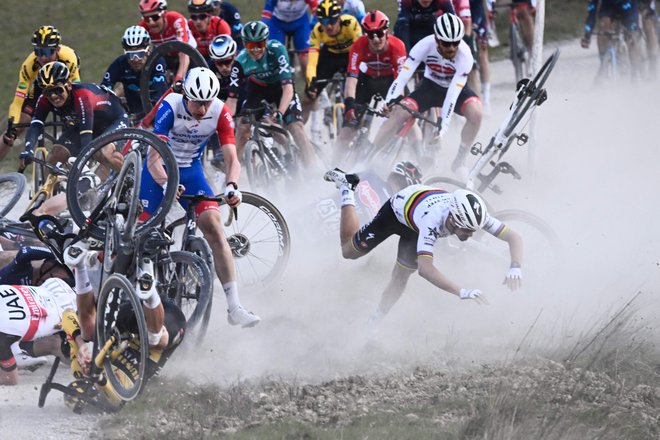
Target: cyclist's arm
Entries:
(313, 53)
(37, 124)
(430, 273)
(286, 77)
(84, 109)
(236, 80)
(25, 78)
(402, 25)
(287, 96)
(225, 131)
(183, 34)
(407, 71)
(112, 75)
(463, 67)
(162, 125)
(267, 12)
(158, 81)
(511, 237)
(592, 9)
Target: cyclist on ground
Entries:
(230, 14)
(87, 109)
(187, 122)
(374, 62)
(126, 69)
(47, 48)
(448, 63)
(330, 41)
(609, 12)
(204, 25)
(416, 18)
(264, 65)
(420, 215)
(290, 17)
(163, 26)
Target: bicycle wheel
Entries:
(131, 139)
(196, 60)
(122, 329)
(12, 186)
(517, 52)
(185, 279)
(256, 165)
(260, 242)
(531, 94)
(127, 193)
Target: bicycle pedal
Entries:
(145, 282)
(476, 149)
(522, 139)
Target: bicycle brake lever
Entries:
(234, 210)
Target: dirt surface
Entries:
(314, 359)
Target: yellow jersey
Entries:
(28, 74)
(338, 44)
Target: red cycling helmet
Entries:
(147, 6)
(375, 21)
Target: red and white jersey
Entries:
(388, 63)
(217, 26)
(34, 312)
(176, 28)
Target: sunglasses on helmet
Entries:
(57, 90)
(135, 55)
(44, 51)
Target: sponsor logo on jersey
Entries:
(368, 197)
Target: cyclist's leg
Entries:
(301, 29)
(358, 241)
(649, 20)
(293, 120)
(630, 20)
(405, 266)
(468, 105)
(525, 14)
(8, 367)
(397, 118)
(109, 155)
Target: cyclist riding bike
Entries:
(330, 42)
(525, 11)
(420, 215)
(609, 12)
(290, 17)
(416, 18)
(47, 48)
(204, 25)
(230, 14)
(163, 26)
(480, 25)
(126, 69)
(354, 8)
(374, 62)
(448, 62)
(264, 65)
(187, 122)
(87, 109)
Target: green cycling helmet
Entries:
(255, 31)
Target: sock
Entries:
(347, 196)
(83, 285)
(231, 292)
(485, 93)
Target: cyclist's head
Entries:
(53, 74)
(376, 25)
(46, 36)
(403, 174)
(217, 4)
(468, 210)
(200, 14)
(51, 268)
(449, 29)
(200, 6)
(255, 32)
(200, 87)
(328, 12)
(151, 6)
(222, 51)
(135, 38)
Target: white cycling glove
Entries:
(235, 192)
(77, 255)
(470, 293)
(514, 273)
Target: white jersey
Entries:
(450, 74)
(34, 312)
(186, 135)
(425, 209)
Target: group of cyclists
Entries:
(199, 107)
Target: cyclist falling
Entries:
(187, 122)
(420, 215)
(448, 63)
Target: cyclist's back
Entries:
(416, 18)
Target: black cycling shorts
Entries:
(70, 137)
(428, 95)
(383, 225)
(272, 95)
(328, 64)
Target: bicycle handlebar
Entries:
(415, 114)
(53, 168)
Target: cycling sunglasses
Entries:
(57, 90)
(226, 62)
(449, 43)
(255, 44)
(154, 17)
(135, 55)
(375, 34)
(199, 17)
(44, 51)
(329, 21)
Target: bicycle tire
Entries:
(117, 292)
(186, 280)
(141, 140)
(517, 50)
(12, 187)
(127, 192)
(196, 60)
(531, 93)
(450, 185)
(256, 165)
(260, 242)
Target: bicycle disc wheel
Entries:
(185, 279)
(102, 185)
(121, 326)
(196, 60)
(12, 186)
(260, 242)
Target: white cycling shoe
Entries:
(240, 316)
(341, 178)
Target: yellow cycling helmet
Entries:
(328, 9)
(46, 36)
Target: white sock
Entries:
(231, 292)
(347, 196)
(485, 92)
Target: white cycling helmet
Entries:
(448, 28)
(222, 47)
(201, 84)
(135, 37)
(468, 210)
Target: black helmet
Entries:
(53, 73)
(46, 36)
(406, 173)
